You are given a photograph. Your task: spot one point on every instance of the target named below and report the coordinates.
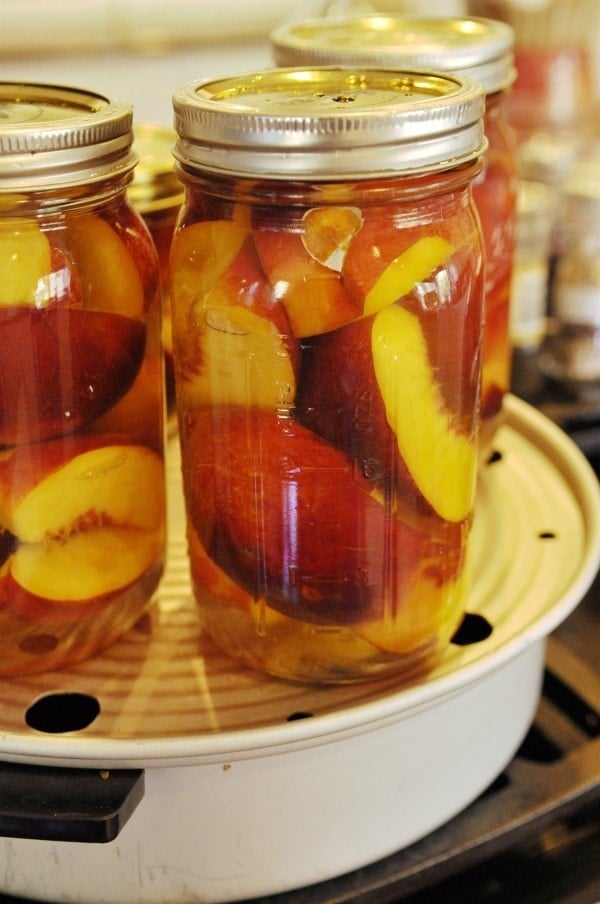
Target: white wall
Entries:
(142, 50)
(138, 50)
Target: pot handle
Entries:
(65, 804)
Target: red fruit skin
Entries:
(61, 368)
(288, 518)
(340, 400)
(202, 205)
(246, 285)
(312, 295)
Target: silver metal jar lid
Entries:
(333, 123)
(479, 48)
(52, 135)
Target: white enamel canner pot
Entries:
(183, 778)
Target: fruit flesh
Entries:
(98, 538)
(25, 259)
(109, 275)
(82, 502)
(327, 534)
(236, 347)
(416, 412)
(412, 266)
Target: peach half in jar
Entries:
(81, 519)
(285, 515)
(302, 265)
(62, 367)
(232, 336)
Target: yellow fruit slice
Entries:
(88, 566)
(118, 486)
(109, 276)
(317, 653)
(201, 254)
(244, 361)
(440, 459)
(25, 259)
(94, 524)
(426, 615)
(405, 271)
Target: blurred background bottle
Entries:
(570, 353)
(551, 102)
(553, 108)
(536, 225)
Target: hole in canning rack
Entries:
(293, 717)
(473, 629)
(494, 457)
(546, 535)
(57, 713)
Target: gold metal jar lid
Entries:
(479, 48)
(329, 123)
(52, 135)
(155, 186)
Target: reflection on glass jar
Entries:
(82, 509)
(327, 328)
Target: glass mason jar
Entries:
(82, 504)
(327, 310)
(482, 50)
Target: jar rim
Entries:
(329, 123)
(55, 135)
(477, 47)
